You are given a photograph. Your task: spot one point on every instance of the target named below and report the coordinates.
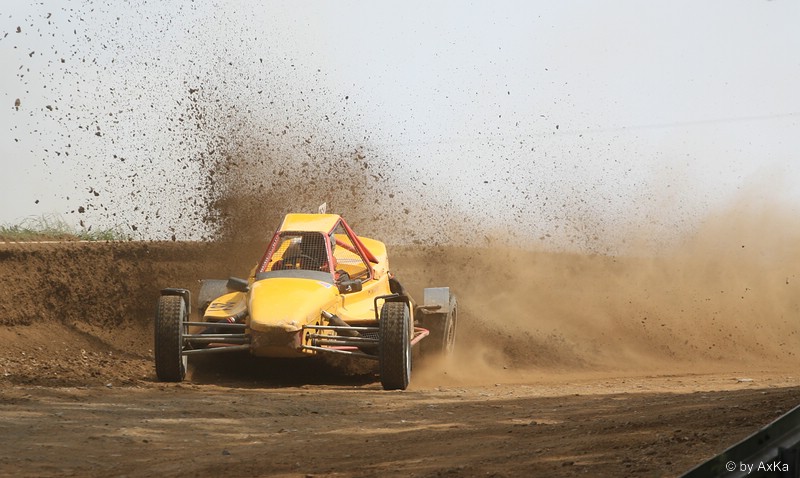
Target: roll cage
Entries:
(337, 250)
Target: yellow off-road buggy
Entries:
(319, 288)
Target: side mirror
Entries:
(237, 285)
(348, 286)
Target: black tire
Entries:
(170, 316)
(442, 328)
(394, 352)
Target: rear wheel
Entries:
(395, 346)
(170, 316)
(442, 328)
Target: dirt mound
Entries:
(81, 312)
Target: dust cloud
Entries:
(723, 299)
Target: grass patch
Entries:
(53, 228)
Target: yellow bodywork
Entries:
(279, 307)
(309, 222)
(228, 305)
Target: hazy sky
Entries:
(577, 113)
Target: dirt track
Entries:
(579, 386)
(610, 427)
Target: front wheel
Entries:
(395, 346)
(170, 317)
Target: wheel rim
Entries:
(183, 358)
(450, 334)
(407, 357)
